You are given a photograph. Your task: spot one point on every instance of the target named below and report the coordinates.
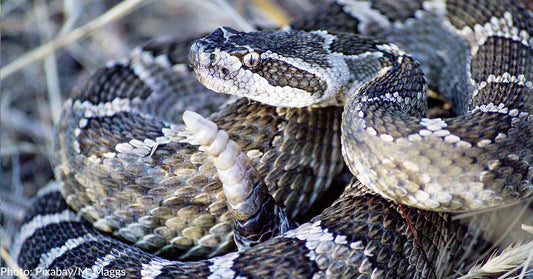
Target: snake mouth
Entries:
(201, 63)
(214, 68)
(194, 52)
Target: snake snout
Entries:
(197, 57)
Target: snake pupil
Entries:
(251, 59)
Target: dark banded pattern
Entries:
(361, 233)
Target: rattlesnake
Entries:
(125, 166)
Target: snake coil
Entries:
(326, 95)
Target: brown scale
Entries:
(513, 58)
(517, 98)
(327, 17)
(172, 201)
(278, 73)
(464, 13)
(397, 10)
(186, 215)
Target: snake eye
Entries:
(251, 59)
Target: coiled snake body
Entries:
(127, 164)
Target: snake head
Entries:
(280, 68)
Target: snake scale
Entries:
(326, 95)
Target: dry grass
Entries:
(49, 46)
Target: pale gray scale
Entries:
(365, 60)
(495, 89)
(441, 53)
(154, 268)
(221, 266)
(466, 163)
(329, 250)
(123, 160)
(99, 265)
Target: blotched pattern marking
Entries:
(117, 141)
